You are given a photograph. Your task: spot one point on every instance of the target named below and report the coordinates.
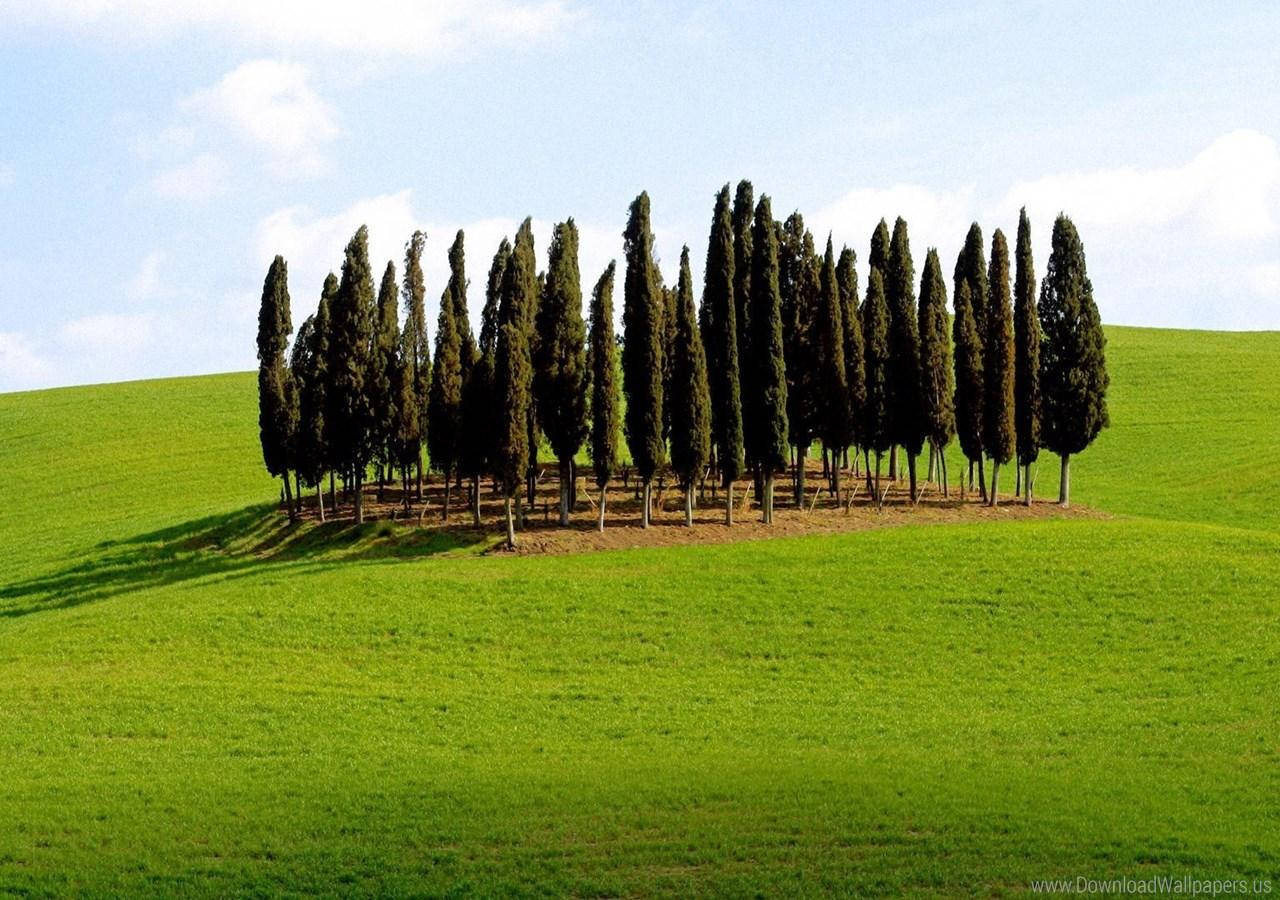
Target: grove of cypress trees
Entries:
(606, 415)
(768, 363)
(479, 422)
(445, 397)
(383, 375)
(642, 357)
(350, 346)
(743, 213)
(937, 386)
(690, 398)
(560, 367)
(277, 413)
(971, 267)
(513, 373)
(875, 333)
(1026, 340)
(854, 373)
(997, 404)
(1073, 365)
(414, 294)
(722, 344)
(832, 382)
(906, 421)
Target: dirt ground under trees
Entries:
(820, 513)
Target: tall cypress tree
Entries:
(414, 293)
(445, 397)
(277, 415)
(937, 386)
(383, 375)
(328, 298)
(606, 413)
(457, 291)
(743, 213)
(875, 333)
(513, 372)
(560, 368)
(768, 363)
(350, 346)
(971, 267)
(833, 385)
(969, 383)
(1073, 365)
(406, 440)
(878, 259)
(854, 373)
(668, 346)
(690, 399)
(533, 423)
(308, 446)
(997, 405)
(906, 413)
(722, 347)
(642, 357)
(1026, 340)
(478, 405)
(798, 288)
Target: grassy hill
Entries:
(951, 708)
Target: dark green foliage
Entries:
(798, 287)
(350, 348)
(277, 415)
(937, 385)
(743, 212)
(880, 248)
(642, 350)
(1026, 340)
(875, 333)
(513, 365)
(971, 266)
(383, 366)
(690, 399)
(1073, 366)
(668, 347)
(969, 384)
(606, 414)
(406, 438)
(478, 406)
(768, 402)
(832, 382)
(854, 352)
(456, 290)
(997, 402)
(560, 366)
(414, 292)
(906, 421)
(445, 403)
(722, 342)
(308, 364)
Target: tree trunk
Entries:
(444, 513)
(1017, 480)
(835, 479)
(1064, 486)
(288, 497)
(419, 498)
(970, 474)
(866, 459)
(1026, 486)
(475, 500)
(359, 495)
(566, 489)
(511, 523)
(645, 493)
(573, 485)
(995, 483)
(801, 455)
(982, 481)
(320, 500)
(688, 504)
(942, 463)
(520, 519)
(603, 491)
(911, 475)
(878, 495)
(728, 506)
(768, 497)
(893, 463)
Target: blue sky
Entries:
(154, 155)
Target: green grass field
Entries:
(941, 709)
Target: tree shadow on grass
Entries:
(232, 545)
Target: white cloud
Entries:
(932, 215)
(403, 27)
(145, 285)
(173, 139)
(1264, 279)
(197, 180)
(21, 366)
(112, 335)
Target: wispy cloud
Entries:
(145, 285)
(199, 179)
(112, 335)
(21, 364)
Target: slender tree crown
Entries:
(937, 386)
(997, 404)
(457, 293)
(906, 422)
(642, 349)
(854, 373)
(1026, 339)
(308, 364)
(875, 333)
(834, 412)
(743, 212)
(513, 366)
(445, 398)
(606, 401)
(768, 362)
(1073, 366)
(413, 292)
(969, 385)
(721, 340)
(479, 410)
(691, 398)
(560, 369)
(383, 364)
(798, 268)
(880, 246)
(277, 417)
(971, 266)
(350, 345)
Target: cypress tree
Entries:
(561, 367)
(406, 440)
(1026, 339)
(457, 292)
(833, 384)
(445, 397)
(383, 375)
(1073, 365)
(534, 421)
(328, 297)
(997, 405)
(906, 413)
(414, 293)
(606, 414)
(798, 286)
(969, 383)
(690, 399)
(668, 347)
(880, 250)
(743, 213)
(722, 347)
(306, 368)
(937, 386)
(768, 363)
(350, 345)
(971, 266)
(854, 373)
(277, 416)
(642, 357)
(513, 371)
(875, 333)
(478, 406)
